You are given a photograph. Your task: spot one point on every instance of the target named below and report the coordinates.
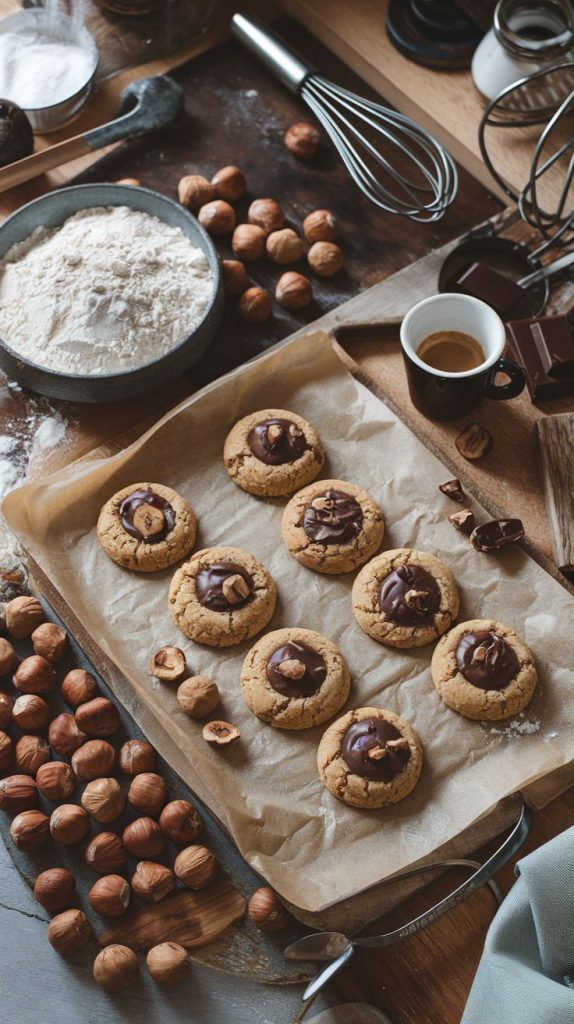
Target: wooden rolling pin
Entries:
(555, 439)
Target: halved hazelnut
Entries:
(168, 664)
(220, 733)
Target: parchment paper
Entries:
(313, 849)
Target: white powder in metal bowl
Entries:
(110, 290)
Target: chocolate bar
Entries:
(487, 284)
(555, 344)
(545, 350)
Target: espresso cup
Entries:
(441, 395)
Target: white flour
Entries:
(109, 290)
(37, 71)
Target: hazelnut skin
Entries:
(103, 800)
(151, 881)
(195, 866)
(267, 912)
(198, 696)
(168, 664)
(218, 217)
(55, 889)
(30, 829)
(18, 793)
(23, 615)
(6, 751)
(31, 713)
(78, 687)
(143, 838)
(148, 793)
(93, 760)
(235, 277)
(168, 963)
(30, 753)
(34, 675)
(194, 191)
(229, 183)
(137, 756)
(55, 780)
(98, 717)
(110, 895)
(285, 246)
(105, 853)
(64, 735)
(180, 822)
(69, 824)
(6, 706)
(293, 291)
(325, 258)
(321, 226)
(8, 657)
(116, 967)
(248, 242)
(69, 931)
(255, 306)
(302, 139)
(267, 214)
(50, 642)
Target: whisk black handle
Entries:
(270, 49)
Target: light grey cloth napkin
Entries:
(530, 945)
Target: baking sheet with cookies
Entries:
(313, 849)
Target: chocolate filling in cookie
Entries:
(486, 660)
(277, 442)
(332, 518)
(223, 586)
(296, 670)
(409, 596)
(375, 750)
(146, 516)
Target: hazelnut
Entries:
(30, 752)
(137, 756)
(116, 967)
(50, 641)
(229, 183)
(194, 191)
(31, 713)
(325, 258)
(320, 226)
(167, 664)
(55, 889)
(30, 829)
(18, 793)
(151, 882)
(105, 853)
(94, 759)
(103, 799)
(148, 793)
(235, 277)
(168, 963)
(195, 866)
(6, 706)
(255, 306)
(23, 615)
(78, 687)
(267, 214)
(198, 696)
(134, 182)
(64, 735)
(98, 717)
(220, 733)
(180, 822)
(217, 217)
(267, 912)
(8, 657)
(6, 751)
(69, 931)
(110, 895)
(69, 824)
(55, 780)
(143, 838)
(248, 242)
(34, 675)
(302, 139)
(285, 246)
(293, 291)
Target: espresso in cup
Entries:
(451, 351)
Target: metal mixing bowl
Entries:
(52, 210)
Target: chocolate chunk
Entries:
(487, 284)
(496, 534)
(223, 586)
(332, 518)
(474, 441)
(534, 354)
(452, 489)
(486, 660)
(277, 442)
(553, 339)
(409, 596)
(375, 750)
(463, 520)
(139, 516)
(296, 670)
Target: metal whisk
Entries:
(368, 136)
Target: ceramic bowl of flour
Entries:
(107, 292)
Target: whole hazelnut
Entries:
(148, 793)
(267, 912)
(134, 182)
(6, 751)
(267, 214)
(94, 760)
(34, 675)
(293, 291)
(116, 967)
(325, 258)
(180, 821)
(55, 889)
(103, 800)
(248, 242)
(29, 753)
(30, 829)
(18, 793)
(23, 615)
(167, 664)
(55, 780)
(69, 931)
(8, 657)
(320, 226)
(110, 895)
(105, 853)
(31, 713)
(151, 881)
(218, 217)
(98, 717)
(198, 696)
(168, 963)
(302, 139)
(194, 191)
(229, 183)
(50, 641)
(69, 824)
(195, 866)
(143, 838)
(64, 735)
(285, 246)
(137, 756)
(235, 277)
(6, 706)
(220, 734)
(255, 306)
(78, 687)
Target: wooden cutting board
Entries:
(555, 437)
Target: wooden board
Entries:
(555, 437)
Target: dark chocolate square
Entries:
(540, 384)
(487, 284)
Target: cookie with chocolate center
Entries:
(146, 527)
(273, 452)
